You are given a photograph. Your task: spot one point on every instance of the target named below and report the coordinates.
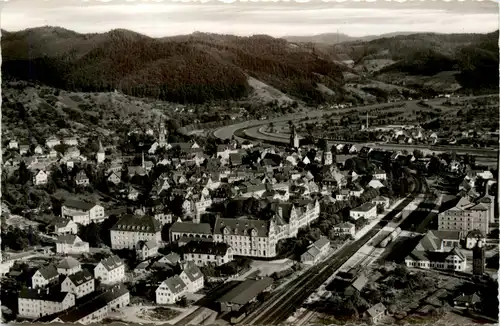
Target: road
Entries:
(284, 302)
(254, 133)
(250, 130)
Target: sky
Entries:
(159, 18)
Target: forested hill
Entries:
(198, 67)
(202, 67)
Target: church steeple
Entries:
(294, 137)
(100, 156)
(101, 149)
(162, 136)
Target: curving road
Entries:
(251, 130)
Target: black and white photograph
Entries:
(170, 163)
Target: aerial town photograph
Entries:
(249, 163)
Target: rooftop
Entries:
(246, 291)
(133, 223)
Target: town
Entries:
(246, 231)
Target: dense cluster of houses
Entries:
(237, 171)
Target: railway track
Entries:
(284, 303)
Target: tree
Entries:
(418, 154)
(91, 234)
(322, 144)
(24, 174)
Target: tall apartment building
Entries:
(465, 217)
(247, 237)
(131, 229)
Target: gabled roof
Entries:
(241, 226)
(43, 294)
(312, 251)
(322, 242)
(364, 208)
(186, 227)
(470, 298)
(111, 262)
(78, 204)
(48, 272)
(246, 291)
(79, 312)
(68, 263)
(175, 284)
(132, 223)
(360, 282)
(80, 277)
(376, 310)
(206, 248)
(67, 239)
(61, 222)
(192, 271)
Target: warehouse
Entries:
(245, 292)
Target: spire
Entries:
(101, 149)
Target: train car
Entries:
(385, 242)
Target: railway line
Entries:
(283, 303)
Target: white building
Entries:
(247, 237)
(186, 229)
(45, 276)
(130, 229)
(69, 266)
(38, 150)
(71, 244)
(170, 290)
(52, 141)
(376, 184)
(381, 200)
(475, 238)
(97, 309)
(65, 226)
(366, 211)
(40, 178)
(147, 249)
(345, 228)
(82, 212)
(316, 252)
(439, 250)
(13, 144)
(203, 253)
(36, 303)
(452, 260)
(82, 179)
(465, 217)
(80, 283)
(163, 218)
(380, 175)
(192, 277)
(110, 270)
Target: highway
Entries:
(285, 301)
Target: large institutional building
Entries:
(465, 217)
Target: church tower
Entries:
(478, 260)
(101, 155)
(294, 137)
(162, 138)
(327, 158)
